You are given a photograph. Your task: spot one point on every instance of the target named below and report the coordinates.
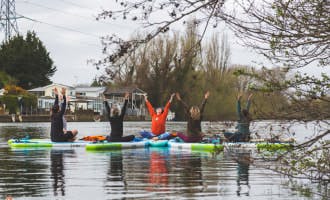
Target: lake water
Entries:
(155, 173)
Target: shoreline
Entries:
(70, 118)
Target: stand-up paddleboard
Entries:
(229, 146)
(44, 143)
(106, 146)
(195, 146)
(158, 143)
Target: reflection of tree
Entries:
(22, 174)
(243, 164)
(56, 168)
(115, 176)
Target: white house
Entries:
(78, 98)
(2, 91)
(48, 90)
(88, 98)
(88, 91)
(46, 95)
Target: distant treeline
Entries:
(180, 63)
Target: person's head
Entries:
(195, 112)
(115, 111)
(159, 111)
(55, 108)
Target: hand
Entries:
(178, 97)
(103, 97)
(126, 95)
(63, 91)
(145, 97)
(239, 96)
(68, 98)
(207, 94)
(55, 91)
(250, 96)
(171, 98)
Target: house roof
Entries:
(89, 89)
(123, 90)
(41, 89)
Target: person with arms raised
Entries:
(56, 131)
(158, 121)
(243, 131)
(195, 117)
(116, 118)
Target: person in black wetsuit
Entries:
(116, 119)
(56, 130)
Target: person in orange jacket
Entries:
(158, 120)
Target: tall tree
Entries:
(27, 60)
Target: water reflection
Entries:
(22, 130)
(187, 170)
(130, 174)
(57, 170)
(243, 164)
(116, 181)
(26, 175)
(158, 170)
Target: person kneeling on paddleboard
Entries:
(158, 120)
(195, 117)
(116, 118)
(56, 130)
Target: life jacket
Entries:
(94, 138)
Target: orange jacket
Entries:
(158, 121)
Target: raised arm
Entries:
(167, 107)
(185, 106)
(248, 102)
(63, 106)
(123, 109)
(56, 96)
(206, 96)
(238, 106)
(149, 106)
(106, 105)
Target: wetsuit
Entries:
(116, 123)
(194, 128)
(243, 125)
(56, 129)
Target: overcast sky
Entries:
(71, 34)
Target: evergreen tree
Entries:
(27, 60)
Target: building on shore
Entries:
(89, 100)
(136, 104)
(86, 103)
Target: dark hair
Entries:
(246, 114)
(55, 108)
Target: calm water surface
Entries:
(155, 173)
